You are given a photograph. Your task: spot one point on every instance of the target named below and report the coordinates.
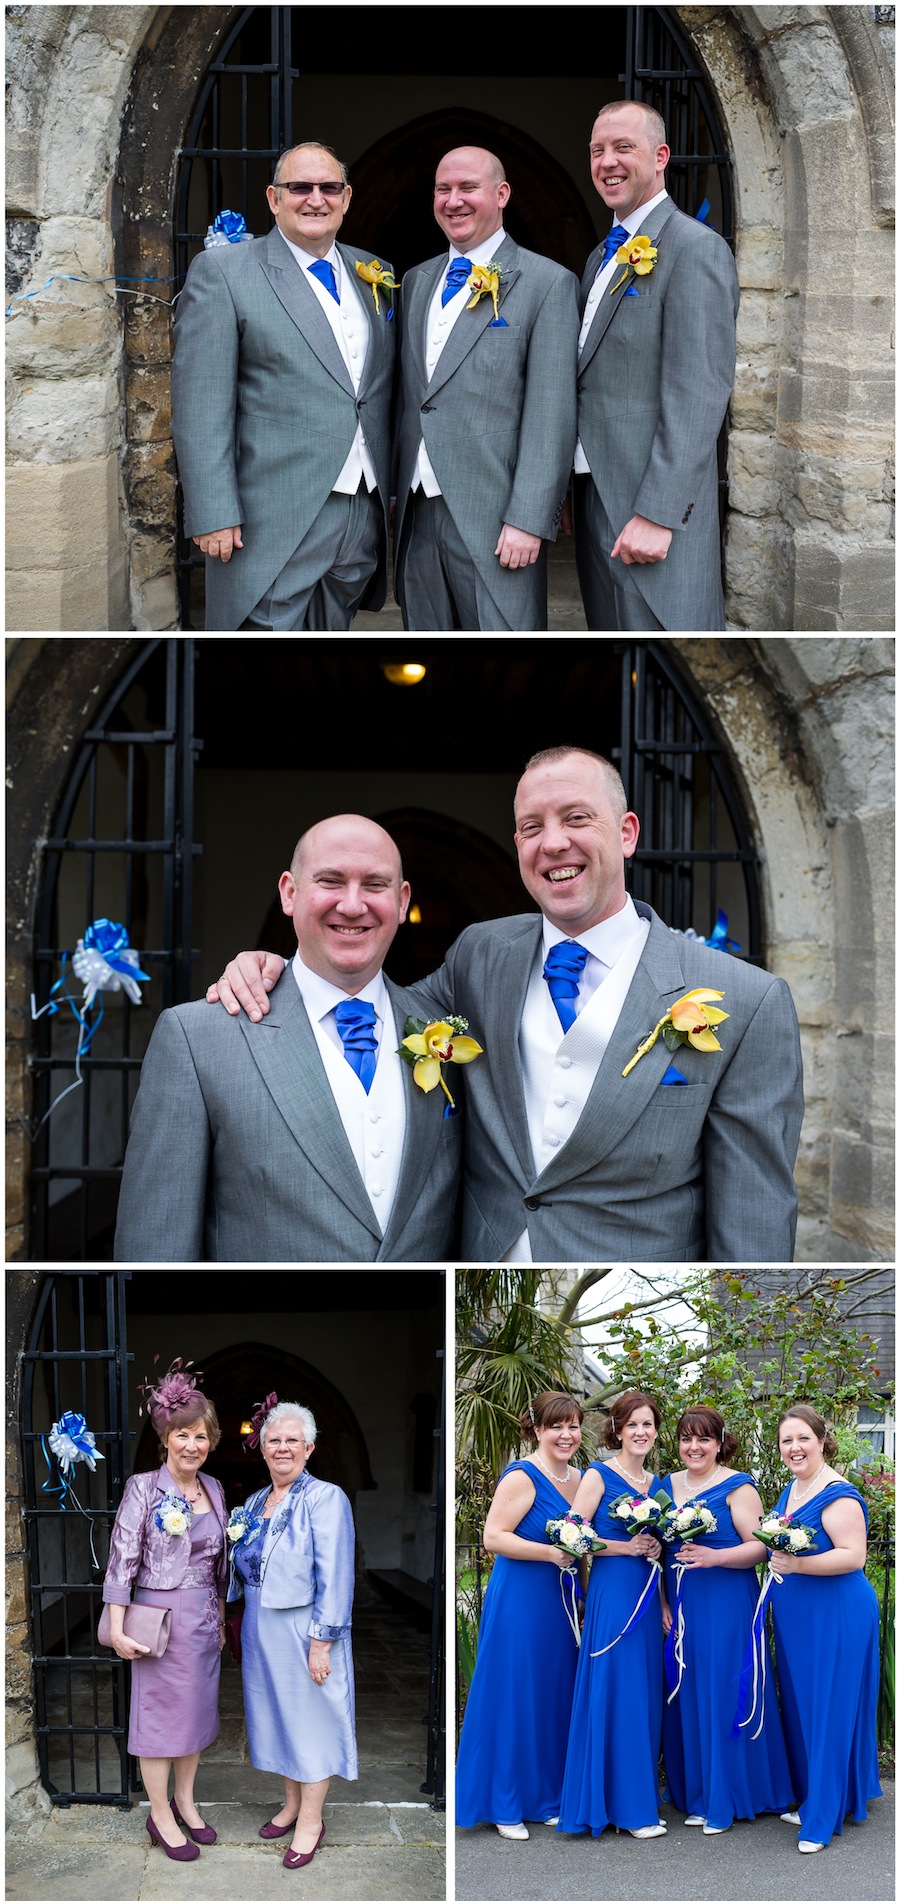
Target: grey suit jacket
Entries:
(237, 1151)
(693, 1172)
(497, 416)
(654, 382)
(264, 411)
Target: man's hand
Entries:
(515, 549)
(643, 541)
(221, 544)
(245, 981)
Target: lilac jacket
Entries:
(307, 1560)
(139, 1553)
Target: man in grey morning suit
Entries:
(281, 391)
(301, 1138)
(655, 374)
(486, 429)
(687, 1158)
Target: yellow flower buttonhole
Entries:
(638, 255)
(691, 1018)
(437, 1044)
(376, 274)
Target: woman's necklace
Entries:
(800, 1496)
(552, 1475)
(641, 1484)
(692, 1490)
(196, 1497)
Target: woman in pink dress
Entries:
(168, 1549)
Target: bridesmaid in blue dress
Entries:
(612, 1761)
(713, 1776)
(512, 1746)
(826, 1638)
(296, 1573)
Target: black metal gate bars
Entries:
(76, 1361)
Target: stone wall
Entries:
(99, 101)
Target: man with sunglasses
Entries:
(281, 392)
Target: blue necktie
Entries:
(616, 237)
(325, 274)
(356, 1024)
(455, 279)
(564, 965)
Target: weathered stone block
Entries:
(151, 485)
(754, 400)
(760, 259)
(155, 605)
(148, 401)
(47, 419)
(60, 512)
(148, 331)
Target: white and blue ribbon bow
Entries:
(71, 1444)
(102, 960)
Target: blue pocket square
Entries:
(448, 1112)
(632, 291)
(672, 1075)
(498, 323)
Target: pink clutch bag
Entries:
(144, 1623)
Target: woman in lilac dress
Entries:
(167, 1549)
(294, 1565)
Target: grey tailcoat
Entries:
(264, 411)
(693, 1172)
(497, 416)
(237, 1151)
(654, 382)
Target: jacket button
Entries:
(532, 1201)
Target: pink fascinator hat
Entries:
(175, 1396)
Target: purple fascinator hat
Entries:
(173, 1396)
(258, 1419)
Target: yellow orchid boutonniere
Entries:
(428, 1046)
(484, 281)
(638, 255)
(688, 1021)
(379, 277)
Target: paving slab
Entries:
(73, 1871)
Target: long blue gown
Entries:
(709, 1772)
(612, 1762)
(512, 1747)
(826, 1643)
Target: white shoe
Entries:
(715, 1831)
(810, 1848)
(512, 1831)
(790, 1815)
(695, 1821)
(644, 1834)
(552, 1821)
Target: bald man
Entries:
(486, 429)
(301, 1137)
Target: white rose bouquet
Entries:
(640, 1513)
(687, 1521)
(574, 1536)
(781, 1532)
(242, 1527)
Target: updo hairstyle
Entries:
(620, 1413)
(710, 1425)
(813, 1419)
(287, 1410)
(549, 1409)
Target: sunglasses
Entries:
(301, 188)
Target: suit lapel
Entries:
(424, 1119)
(609, 304)
(471, 324)
(288, 281)
(504, 1003)
(376, 324)
(285, 1052)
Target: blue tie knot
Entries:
(562, 970)
(612, 242)
(325, 274)
(356, 1028)
(456, 277)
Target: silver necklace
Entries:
(692, 1490)
(551, 1475)
(800, 1496)
(643, 1483)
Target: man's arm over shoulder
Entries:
(547, 431)
(751, 1135)
(204, 397)
(697, 374)
(163, 1193)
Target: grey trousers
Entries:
(613, 602)
(442, 591)
(320, 588)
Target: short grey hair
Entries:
(654, 121)
(615, 788)
(311, 145)
(286, 1409)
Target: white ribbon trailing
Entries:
(758, 1648)
(678, 1632)
(569, 1605)
(652, 1582)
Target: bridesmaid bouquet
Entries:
(574, 1536)
(242, 1527)
(780, 1532)
(174, 1515)
(688, 1521)
(640, 1513)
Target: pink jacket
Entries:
(139, 1553)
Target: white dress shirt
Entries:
(374, 1124)
(633, 223)
(350, 325)
(440, 322)
(558, 1071)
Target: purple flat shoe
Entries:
(206, 1835)
(187, 1852)
(300, 1861)
(270, 1831)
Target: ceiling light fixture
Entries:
(408, 674)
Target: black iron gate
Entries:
(76, 1361)
(435, 1773)
(136, 870)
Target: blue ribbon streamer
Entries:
(640, 1610)
(64, 1489)
(752, 1679)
